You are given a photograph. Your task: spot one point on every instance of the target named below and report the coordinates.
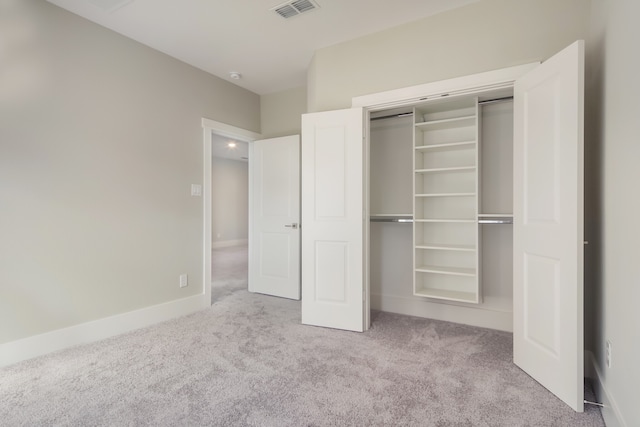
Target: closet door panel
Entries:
(274, 246)
(333, 255)
(548, 224)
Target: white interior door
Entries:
(548, 224)
(274, 234)
(333, 278)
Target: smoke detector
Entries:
(294, 8)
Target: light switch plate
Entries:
(196, 190)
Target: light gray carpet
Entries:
(248, 361)
(229, 270)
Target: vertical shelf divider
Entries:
(446, 200)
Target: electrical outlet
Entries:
(184, 280)
(608, 353)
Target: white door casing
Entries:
(223, 129)
(333, 279)
(274, 241)
(548, 224)
(346, 275)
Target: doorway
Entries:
(226, 208)
(229, 215)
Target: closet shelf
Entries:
(460, 145)
(452, 271)
(446, 247)
(445, 200)
(470, 221)
(454, 122)
(445, 195)
(445, 170)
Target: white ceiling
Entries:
(221, 36)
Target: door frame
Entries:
(466, 85)
(503, 78)
(208, 127)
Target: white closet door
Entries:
(548, 224)
(332, 220)
(274, 246)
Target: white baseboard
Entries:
(481, 317)
(228, 243)
(38, 345)
(610, 411)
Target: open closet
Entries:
(451, 201)
(441, 208)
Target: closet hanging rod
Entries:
(390, 219)
(493, 101)
(392, 116)
(495, 221)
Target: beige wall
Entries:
(280, 112)
(229, 200)
(312, 98)
(612, 133)
(483, 36)
(100, 140)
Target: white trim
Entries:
(96, 330)
(229, 131)
(206, 211)
(465, 85)
(229, 243)
(503, 78)
(610, 411)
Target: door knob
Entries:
(293, 225)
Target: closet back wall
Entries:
(452, 44)
(391, 186)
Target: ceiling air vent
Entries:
(295, 8)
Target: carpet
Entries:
(247, 361)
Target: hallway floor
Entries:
(229, 271)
